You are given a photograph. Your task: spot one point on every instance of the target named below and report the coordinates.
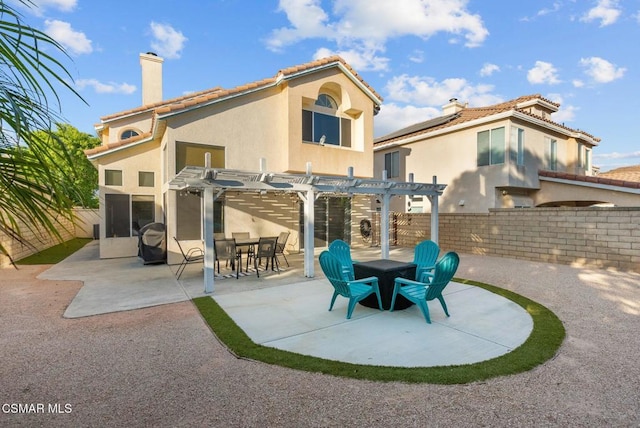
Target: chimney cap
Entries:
(152, 53)
(453, 100)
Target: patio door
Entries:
(332, 221)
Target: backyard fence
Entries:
(602, 237)
(41, 239)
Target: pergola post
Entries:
(435, 223)
(209, 251)
(384, 226)
(309, 232)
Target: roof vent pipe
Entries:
(263, 165)
(350, 172)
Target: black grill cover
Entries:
(152, 243)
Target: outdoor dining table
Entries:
(386, 271)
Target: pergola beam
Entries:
(212, 183)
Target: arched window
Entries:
(325, 100)
(322, 123)
(128, 134)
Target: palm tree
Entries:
(31, 198)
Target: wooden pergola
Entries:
(212, 183)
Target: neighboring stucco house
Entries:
(507, 155)
(319, 112)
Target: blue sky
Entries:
(417, 54)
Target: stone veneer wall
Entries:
(591, 237)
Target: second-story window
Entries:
(551, 153)
(128, 134)
(322, 123)
(517, 146)
(491, 147)
(392, 164)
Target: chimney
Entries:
(454, 106)
(151, 78)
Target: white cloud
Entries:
(168, 42)
(73, 41)
(577, 83)
(543, 72)
(606, 11)
(488, 69)
(105, 88)
(566, 113)
(601, 70)
(358, 59)
(616, 155)
(426, 91)
(417, 56)
(40, 6)
(366, 25)
(393, 117)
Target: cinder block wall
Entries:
(39, 239)
(591, 237)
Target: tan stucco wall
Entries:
(144, 157)
(452, 157)
(331, 159)
(140, 123)
(561, 192)
(266, 124)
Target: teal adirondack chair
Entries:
(342, 252)
(355, 290)
(425, 256)
(422, 292)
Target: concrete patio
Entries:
(288, 311)
(160, 366)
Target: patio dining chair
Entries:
(281, 244)
(422, 292)
(192, 255)
(425, 256)
(355, 290)
(226, 250)
(266, 249)
(342, 252)
(243, 249)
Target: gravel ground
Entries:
(161, 366)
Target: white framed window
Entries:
(517, 146)
(551, 147)
(125, 214)
(322, 123)
(491, 147)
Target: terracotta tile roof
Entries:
(196, 98)
(110, 146)
(626, 173)
(597, 179)
(468, 114)
(217, 93)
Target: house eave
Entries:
(282, 78)
(483, 120)
(591, 185)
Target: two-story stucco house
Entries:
(507, 155)
(319, 112)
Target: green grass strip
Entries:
(55, 254)
(546, 338)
